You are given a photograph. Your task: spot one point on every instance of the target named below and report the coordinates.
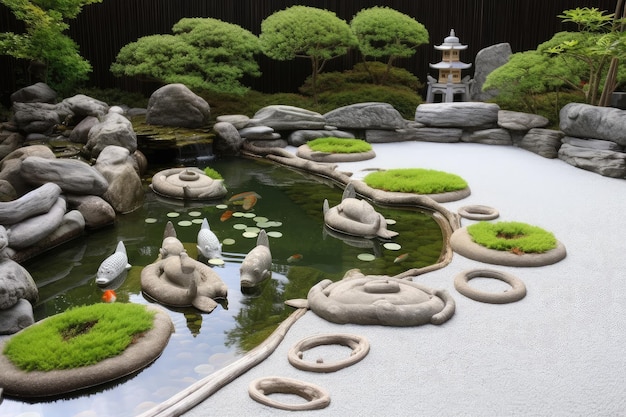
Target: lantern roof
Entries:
(450, 64)
(451, 42)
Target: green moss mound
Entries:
(512, 236)
(81, 336)
(415, 180)
(339, 145)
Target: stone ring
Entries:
(461, 283)
(478, 212)
(315, 396)
(359, 345)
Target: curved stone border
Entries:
(478, 212)
(518, 291)
(316, 396)
(305, 152)
(137, 356)
(359, 345)
(462, 243)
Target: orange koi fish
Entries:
(249, 202)
(401, 258)
(226, 215)
(109, 296)
(294, 258)
(243, 195)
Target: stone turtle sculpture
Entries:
(178, 280)
(383, 300)
(356, 217)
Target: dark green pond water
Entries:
(291, 201)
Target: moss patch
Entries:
(80, 336)
(515, 237)
(415, 180)
(339, 145)
(213, 174)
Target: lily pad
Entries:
(173, 214)
(228, 241)
(238, 214)
(367, 257)
(216, 261)
(184, 223)
(194, 213)
(274, 234)
(150, 220)
(249, 235)
(221, 206)
(240, 226)
(392, 246)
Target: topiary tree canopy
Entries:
(202, 53)
(306, 32)
(54, 57)
(383, 32)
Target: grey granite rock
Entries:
(587, 121)
(371, 115)
(176, 105)
(16, 318)
(113, 129)
(280, 117)
(36, 202)
(458, 114)
(259, 132)
(488, 137)
(606, 163)
(36, 93)
(95, 210)
(239, 121)
(36, 117)
(513, 120)
(227, 141)
(487, 60)
(33, 229)
(15, 284)
(125, 191)
(10, 141)
(599, 144)
(72, 175)
(80, 132)
(544, 142)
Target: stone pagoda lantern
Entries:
(449, 82)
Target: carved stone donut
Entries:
(518, 291)
(359, 345)
(316, 396)
(478, 212)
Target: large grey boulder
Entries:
(599, 144)
(544, 142)
(16, 318)
(488, 137)
(239, 121)
(487, 60)
(80, 132)
(72, 175)
(259, 132)
(15, 283)
(280, 117)
(300, 137)
(36, 93)
(371, 115)
(114, 129)
(519, 121)
(81, 106)
(9, 141)
(458, 114)
(125, 192)
(11, 166)
(36, 202)
(227, 139)
(95, 210)
(176, 105)
(36, 117)
(606, 163)
(587, 121)
(32, 230)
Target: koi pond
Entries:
(289, 209)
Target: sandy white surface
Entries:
(560, 351)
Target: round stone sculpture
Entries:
(359, 345)
(315, 396)
(178, 280)
(517, 292)
(356, 217)
(187, 184)
(383, 300)
(478, 212)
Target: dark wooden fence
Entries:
(102, 29)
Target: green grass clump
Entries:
(415, 180)
(339, 145)
(512, 236)
(213, 174)
(81, 336)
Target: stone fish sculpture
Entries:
(383, 300)
(209, 245)
(113, 266)
(177, 280)
(356, 217)
(257, 265)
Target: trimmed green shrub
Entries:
(512, 236)
(80, 336)
(339, 145)
(415, 180)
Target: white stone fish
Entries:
(257, 265)
(208, 245)
(113, 266)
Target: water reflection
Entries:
(204, 343)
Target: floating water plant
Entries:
(339, 145)
(78, 337)
(415, 180)
(213, 174)
(512, 236)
